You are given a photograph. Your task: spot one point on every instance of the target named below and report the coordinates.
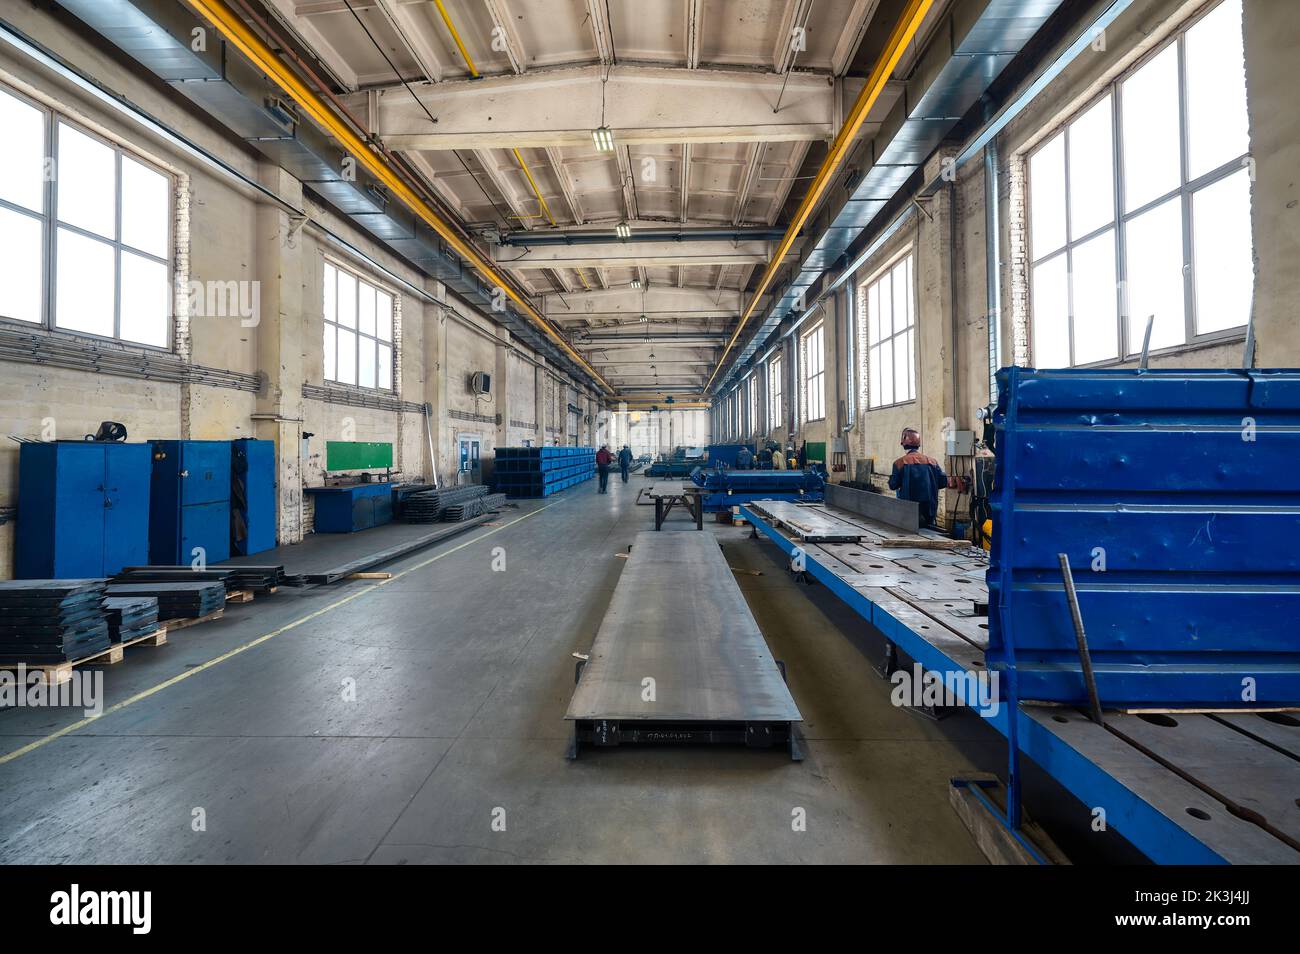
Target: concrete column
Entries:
(501, 389)
(541, 405)
(281, 330)
(435, 384)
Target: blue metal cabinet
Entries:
(189, 506)
(83, 509)
(252, 497)
(349, 509)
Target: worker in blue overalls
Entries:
(919, 477)
(624, 461)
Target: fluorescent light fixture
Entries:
(623, 230)
(603, 137)
(636, 283)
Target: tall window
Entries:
(889, 314)
(1140, 206)
(752, 424)
(814, 374)
(774, 394)
(85, 236)
(358, 331)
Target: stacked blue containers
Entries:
(189, 502)
(83, 509)
(252, 496)
(542, 471)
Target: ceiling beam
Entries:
(503, 25)
(600, 30)
(556, 159)
(657, 301)
(855, 28)
(684, 187)
(289, 15)
(524, 218)
(416, 43)
(642, 105)
(694, 29)
(634, 254)
(748, 179)
(795, 15)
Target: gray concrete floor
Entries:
(462, 676)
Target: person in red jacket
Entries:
(603, 461)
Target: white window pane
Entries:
(902, 380)
(22, 161)
(1154, 243)
(1217, 130)
(347, 356)
(873, 314)
(331, 359)
(873, 375)
(146, 205)
(911, 364)
(144, 310)
(900, 299)
(1150, 121)
(1096, 331)
(384, 316)
(366, 303)
(1047, 197)
(1051, 315)
(87, 172)
(347, 301)
(886, 326)
(1224, 266)
(1092, 170)
(331, 283)
(887, 373)
(86, 285)
(366, 362)
(21, 254)
(386, 367)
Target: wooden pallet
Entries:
(239, 596)
(58, 673)
(184, 621)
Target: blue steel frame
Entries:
(1144, 826)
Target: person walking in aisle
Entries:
(624, 461)
(603, 460)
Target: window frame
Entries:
(774, 393)
(808, 376)
(863, 313)
(1184, 193)
(50, 224)
(391, 342)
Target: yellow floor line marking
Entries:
(180, 677)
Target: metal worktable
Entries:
(1183, 788)
(688, 495)
(678, 618)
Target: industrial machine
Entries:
(724, 489)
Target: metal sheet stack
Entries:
(177, 600)
(130, 617)
(51, 621)
(259, 578)
(430, 506)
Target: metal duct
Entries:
(159, 34)
(975, 42)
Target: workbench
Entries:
(1178, 786)
(348, 508)
(667, 496)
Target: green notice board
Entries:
(357, 455)
(817, 451)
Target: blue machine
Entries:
(83, 509)
(1176, 496)
(252, 496)
(189, 504)
(353, 507)
(724, 489)
(725, 454)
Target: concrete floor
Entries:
(462, 678)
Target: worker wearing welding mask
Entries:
(919, 477)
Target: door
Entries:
(126, 506)
(206, 525)
(469, 459)
(79, 502)
(205, 472)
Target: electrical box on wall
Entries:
(960, 444)
(480, 382)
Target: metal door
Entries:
(126, 506)
(79, 500)
(205, 472)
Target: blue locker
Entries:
(83, 509)
(352, 508)
(252, 497)
(189, 505)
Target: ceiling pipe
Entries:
(904, 32)
(237, 33)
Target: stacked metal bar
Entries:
(430, 506)
(130, 616)
(177, 600)
(51, 621)
(542, 471)
(232, 577)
